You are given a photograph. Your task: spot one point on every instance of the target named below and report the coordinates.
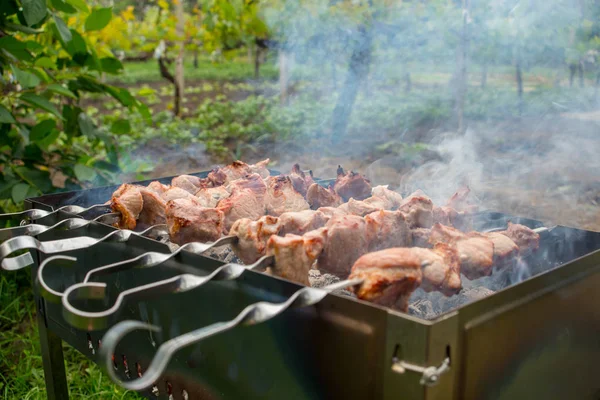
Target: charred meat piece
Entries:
(300, 180)
(347, 240)
(153, 212)
(387, 229)
(295, 255)
(174, 193)
(475, 251)
(300, 222)
(526, 238)
(253, 236)
(351, 185)
(282, 197)
(250, 181)
(128, 201)
(189, 183)
(393, 199)
(188, 222)
(242, 203)
(210, 197)
(236, 170)
(389, 277)
(418, 209)
(318, 196)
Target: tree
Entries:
(46, 64)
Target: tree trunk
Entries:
(358, 69)
(179, 82)
(572, 70)
(519, 76)
(461, 82)
(196, 58)
(580, 71)
(257, 62)
(407, 82)
(484, 73)
(284, 76)
(597, 85)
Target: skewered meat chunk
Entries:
(188, 222)
(418, 209)
(390, 276)
(153, 210)
(351, 185)
(253, 236)
(526, 238)
(174, 193)
(128, 201)
(441, 269)
(475, 251)
(295, 255)
(360, 207)
(393, 199)
(242, 203)
(188, 183)
(250, 181)
(331, 212)
(504, 248)
(420, 237)
(210, 197)
(300, 222)
(347, 240)
(236, 170)
(318, 196)
(282, 197)
(158, 187)
(460, 201)
(449, 216)
(300, 180)
(387, 229)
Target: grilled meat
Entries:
(331, 212)
(318, 196)
(504, 248)
(188, 221)
(527, 239)
(210, 197)
(282, 197)
(441, 269)
(418, 209)
(242, 203)
(236, 170)
(253, 236)
(153, 210)
(174, 193)
(351, 185)
(158, 187)
(461, 200)
(393, 199)
(387, 229)
(389, 277)
(295, 255)
(188, 183)
(128, 201)
(361, 207)
(301, 222)
(300, 180)
(250, 181)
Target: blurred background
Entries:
(500, 95)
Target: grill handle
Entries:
(251, 315)
(58, 246)
(177, 284)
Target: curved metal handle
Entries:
(37, 213)
(251, 315)
(152, 258)
(59, 246)
(177, 284)
(68, 224)
(47, 292)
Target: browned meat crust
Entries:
(188, 222)
(351, 185)
(128, 201)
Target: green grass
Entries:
(229, 70)
(21, 371)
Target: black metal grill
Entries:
(515, 343)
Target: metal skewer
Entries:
(177, 284)
(252, 315)
(47, 292)
(37, 213)
(58, 246)
(67, 224)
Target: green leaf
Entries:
(120, 127)
(34, 11)
(122, 95)
(63, 29)
(63, 6)
(42, 130)
(35, 177)
(111, 65)
(84, 173)
(19, 192)
(80, 5)
(45, 62)
(40, 102)
(23, 28)
(5, 116)
(86, 125)
(48, 139)
(26, 79)
(59, 89)
(71, 125)
(33, 46)
(98, 19)
(15, 47)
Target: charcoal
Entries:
(318, 280)
(422, 308)
(464, 297)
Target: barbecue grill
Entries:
(533, 338)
